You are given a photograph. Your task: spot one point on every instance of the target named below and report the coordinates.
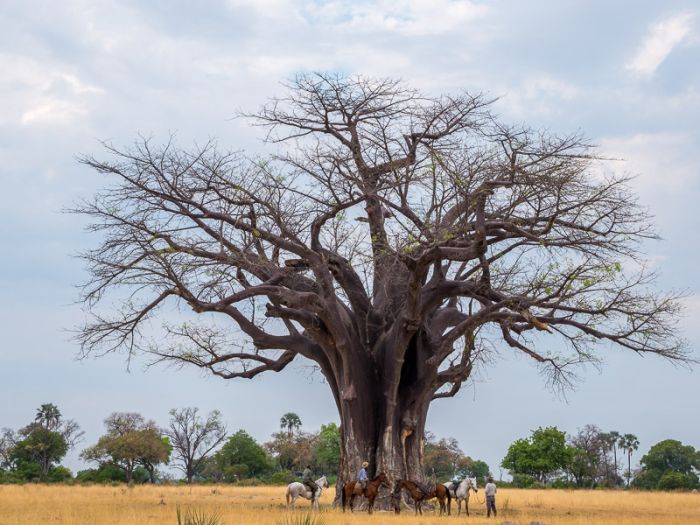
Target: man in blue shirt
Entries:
(363, 476)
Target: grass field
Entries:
(156, 505)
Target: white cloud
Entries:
(36, 92)
(406, 17)
(414, 17)
(51, 110)
(537, 94)
(662, 38)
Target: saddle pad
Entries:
(427, 487)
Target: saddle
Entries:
(427, 487)
(357, 489)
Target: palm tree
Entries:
(629, 443)
(291, 422)
(614, 441)
(48, 416)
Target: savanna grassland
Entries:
(156, 505)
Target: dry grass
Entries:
(96, 505)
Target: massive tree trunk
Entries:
(383, 411)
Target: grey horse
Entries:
(461, 492)
(296, 490)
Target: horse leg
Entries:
(370, 504)
(466, 506)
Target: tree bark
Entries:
(383, 411)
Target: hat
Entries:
(365, 464)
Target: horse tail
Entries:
(449, 503)
(287, 496)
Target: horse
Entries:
(461, 492)
(420, 495)
(297, 489)
(353, 488)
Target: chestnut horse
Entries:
(353, 488)
(419, 495)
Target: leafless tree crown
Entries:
(386, 213)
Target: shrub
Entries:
(196, 517)
(282, 477)
(59, 474)
(678, 481)
(523, 481)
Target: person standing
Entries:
(308, 480)
(490, 491)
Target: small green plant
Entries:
(196, 517)
(306, 519)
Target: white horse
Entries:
(297, 489)
(461, 492)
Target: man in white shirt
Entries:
(490, 491)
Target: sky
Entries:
(78, 72)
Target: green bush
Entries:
(105, 474)
(562, 484)
(236, 472)
(59, 474)
(647, 479)
(678, 481)
(523, 481)
(282, 477)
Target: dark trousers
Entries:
(490, 506)
(312, 487)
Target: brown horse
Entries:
(419, 495)
(353, 488)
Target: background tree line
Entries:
(594, 458)
(135, 450)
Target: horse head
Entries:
(383, 480)
(323, 482)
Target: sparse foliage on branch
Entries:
(393, 240)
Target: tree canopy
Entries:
(541, 455)
(669, 465)
(130, 441)
(393, 239)
(194, 438)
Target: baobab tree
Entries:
(394, 239)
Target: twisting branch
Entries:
(389, 227)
